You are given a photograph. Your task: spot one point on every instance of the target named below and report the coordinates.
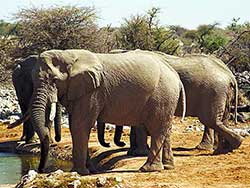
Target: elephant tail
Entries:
(235, 100)
(183, 101)
(100, 134)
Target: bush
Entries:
(57, 28)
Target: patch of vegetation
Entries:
(68, 27)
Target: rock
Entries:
(13, 118)
(75, 175)
(32, 174)
(8, 103)
(100, 182)
(194, 128)
(243, 80)
(118, 179)
(58, 172)
(74, 184)
(242, 132)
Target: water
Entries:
(14, 166)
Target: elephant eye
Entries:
(55, 79)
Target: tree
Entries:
(236, 52)
(57, 28)
(7, 48)
(205, 39)
(7, 29)
(39, 29)
(144, 32)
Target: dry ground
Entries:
(193, 168)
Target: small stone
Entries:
(241, 132)
(32, 175)
(74, 175)
(197, 129)
(13, 118)
(118, 179)
(100, 182)
(59, 171)
(74, 184)
(189, 128)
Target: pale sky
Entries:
(186, 13)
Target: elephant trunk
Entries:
(58, 122)
(38, 109)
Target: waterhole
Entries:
(14, 166)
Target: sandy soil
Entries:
(193, 168)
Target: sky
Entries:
(186, 13)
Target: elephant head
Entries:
(23, 83)
(60, 75)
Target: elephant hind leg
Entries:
(231, 139)
(160, 138)
(167, 153)
(207, 141)
(154, 160)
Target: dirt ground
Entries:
(193, 168)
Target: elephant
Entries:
(23, 84)
(210, 88)
(123, 89)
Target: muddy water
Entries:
(13, 166)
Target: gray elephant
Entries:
(210, 87)
(22, 81)
(124, 89)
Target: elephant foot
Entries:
(168, 165)
(81, 171)
(154, 167)
(91, 167)
(204, 146)
(236, 144)
(224, 146)
(138, 152)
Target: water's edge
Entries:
(17, 158)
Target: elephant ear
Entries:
(53, 64)
(84, 75)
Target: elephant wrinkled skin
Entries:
(123, 89)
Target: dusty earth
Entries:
(193, 168)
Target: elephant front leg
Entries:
(138, 145)
(80, 131)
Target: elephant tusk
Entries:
(52, 112)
